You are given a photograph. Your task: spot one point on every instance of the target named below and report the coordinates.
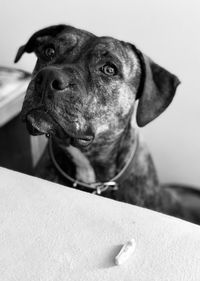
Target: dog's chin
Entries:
(40, 123)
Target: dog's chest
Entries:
(84, 169)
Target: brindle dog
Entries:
(83, 95)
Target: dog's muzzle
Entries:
(39, 122)
(51, 81)
(58, 98)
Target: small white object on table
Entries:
(49, 232)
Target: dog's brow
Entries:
(109, 46)
(108, 50)
(104, 45)
(69, 39)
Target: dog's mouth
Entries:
(83, 141)
(39, 122)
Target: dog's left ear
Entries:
(30, 46)
(158, 90)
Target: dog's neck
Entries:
(103, 160)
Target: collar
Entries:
(96, 187)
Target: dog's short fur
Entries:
(83, 93)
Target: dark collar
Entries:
(96, 187)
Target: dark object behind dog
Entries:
(83, 94)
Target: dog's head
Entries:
(84, 87)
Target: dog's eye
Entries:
(49, 52)
(109, 69)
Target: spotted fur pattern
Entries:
(83, 93)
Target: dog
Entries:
(89, 95)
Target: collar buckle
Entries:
(104, 186)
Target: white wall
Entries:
(168, 31)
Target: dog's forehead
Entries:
(72, 35)
(86, 45)
(109, 43)
(99, 46)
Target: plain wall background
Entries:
(166, 30)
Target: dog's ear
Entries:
(32, 43)
(157, 91)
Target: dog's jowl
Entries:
(83, 94)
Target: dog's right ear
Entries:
(32, 43)
(156, 90)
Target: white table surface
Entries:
(50, 232)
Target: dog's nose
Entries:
(48, 82)
(59, 84)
